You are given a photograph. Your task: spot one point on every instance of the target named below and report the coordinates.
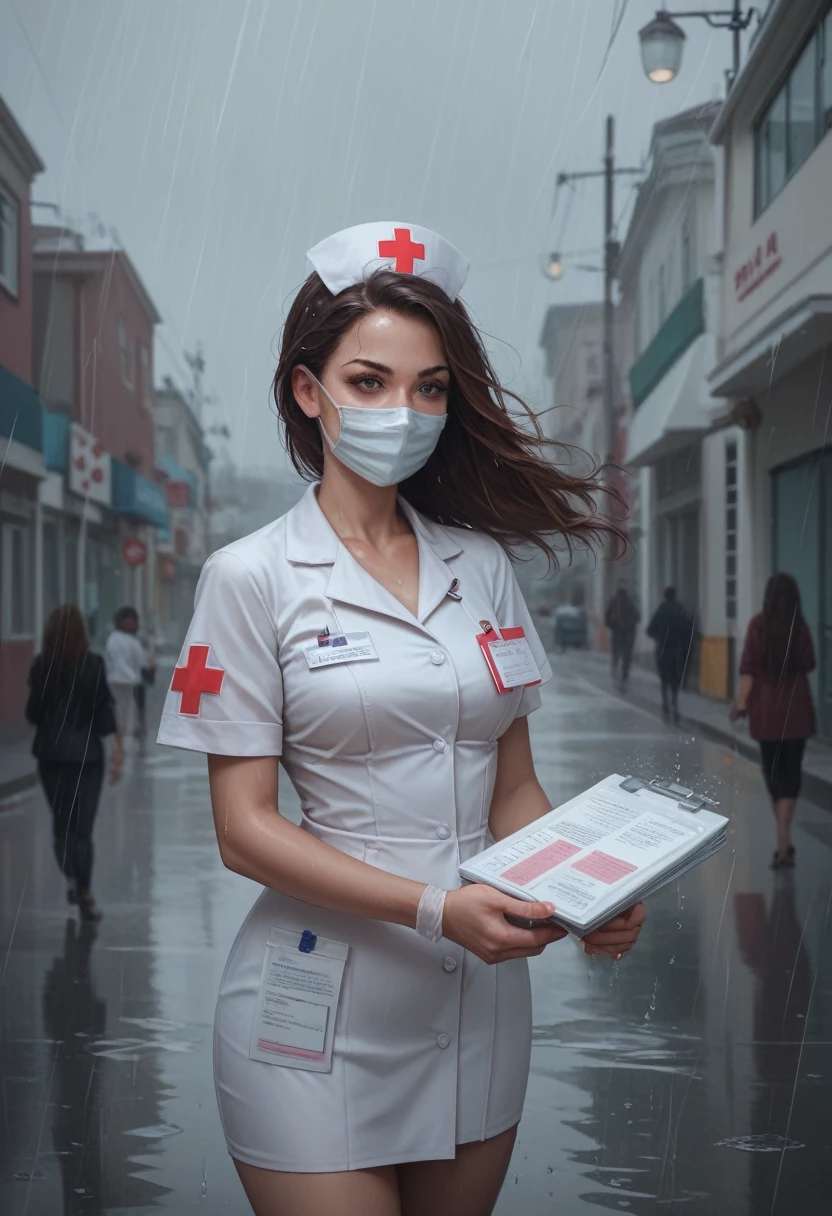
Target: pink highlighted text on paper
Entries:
(539, 863)
(605, 868)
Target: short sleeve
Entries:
(512, 611)
(226, 694)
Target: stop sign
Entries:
(134, 551)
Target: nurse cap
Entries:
(350, 256)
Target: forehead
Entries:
(392, 338)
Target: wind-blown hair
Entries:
(489, 470)
(784, 629)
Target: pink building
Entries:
(21, 423)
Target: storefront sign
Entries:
(753, 273)
(90, 467)
(134, 551)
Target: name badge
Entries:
(294, 1021)
(509, 658)
(340, 648)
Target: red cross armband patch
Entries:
(194, 679)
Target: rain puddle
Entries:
(760, 1144)
(158, 1132)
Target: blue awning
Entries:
(137, 497)
(174, 471)
(21, 411)
(55, 441)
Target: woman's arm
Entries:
(740, 706)
(518, 797)
(260, 844)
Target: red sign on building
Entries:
(134, 551)
(753, 273)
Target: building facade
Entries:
(93, 355)
(572, 340)
(670, 274)
(21, 431)
(182, 457)
(774, 360)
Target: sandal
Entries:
(88, 908)
(782, 863)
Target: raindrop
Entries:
(158, 1132)
(549, 1169)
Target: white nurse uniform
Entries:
(394, 761)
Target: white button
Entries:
(449, 964)
(439, 745)
(443, 1041)
(437, 658)
(443, 831)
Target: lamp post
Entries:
(663, 41)
(611, 249)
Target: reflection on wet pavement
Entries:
(694, 1077)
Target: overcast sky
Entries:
(222, 138)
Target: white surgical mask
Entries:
(384, 446)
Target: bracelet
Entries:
(429, 913)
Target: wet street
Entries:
(694, 1077)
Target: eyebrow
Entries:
(388, 371)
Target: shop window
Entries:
(802, 91)
(124, 354)
(17, 591)
(826, 75)
(797, 118)
(9, 249)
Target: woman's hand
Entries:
(618, 935)
(116, 761)
(737, 711)
(474, 917)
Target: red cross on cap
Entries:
(404, 249)
(194, 679)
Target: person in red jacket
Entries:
(774, 691)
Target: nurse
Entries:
(373, 1026)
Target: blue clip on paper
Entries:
(308, 941)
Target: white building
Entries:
(774, 362)
(670, 275)
(572, 341)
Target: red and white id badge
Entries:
(509, 658)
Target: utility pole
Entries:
(610, 259)
(611, 249)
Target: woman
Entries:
(774, 691)
(353, 639)
(72, 710)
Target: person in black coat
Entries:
(71, 708)
(671, 628)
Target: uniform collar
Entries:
(311, 541)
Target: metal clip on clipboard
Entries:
(686, 799)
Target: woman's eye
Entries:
(368, 382)
(434, 389)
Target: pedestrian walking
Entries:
(148, 674)
(671, 628)
(71, 708)
(774, 692)
(622, 618)
(368, 1057)
(126, 659)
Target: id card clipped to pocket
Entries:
(509, 657)
(294, 1021)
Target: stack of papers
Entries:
(603, 851)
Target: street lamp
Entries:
(554, 267)
(663, 41)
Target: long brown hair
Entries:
(489, 470)
(784, 629)
(65, 641)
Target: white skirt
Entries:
(431, 1050)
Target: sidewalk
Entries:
(17, 764)
(699, 714)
